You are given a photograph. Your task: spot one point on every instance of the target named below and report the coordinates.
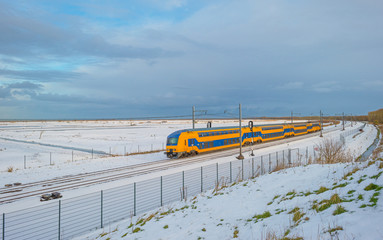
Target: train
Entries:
(190, 142)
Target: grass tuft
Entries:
(371, 187)
(335, 199)
(264, 215)
(321, 190)
(340, 185)
(339, 210)
(297, 216)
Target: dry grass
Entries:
(10, 169)
(280, 166)
(331, 152)
(376, 153)
(354, 170)
(376, 116)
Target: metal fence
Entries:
(350, 132)
(65, 219)
(62, 156)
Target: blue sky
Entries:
(127, 59)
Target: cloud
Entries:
(158, 56)
(39, 75)
(25, 85)
(25, 36)
(19, 90)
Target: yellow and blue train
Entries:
(191, 142)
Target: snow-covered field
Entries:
(356, 145)
(120, 137)
(338, 201)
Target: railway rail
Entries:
(34, 189)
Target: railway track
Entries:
(33, 189)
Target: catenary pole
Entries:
(240, 134)
(193, 116)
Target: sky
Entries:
(152, 58)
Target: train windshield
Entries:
(172, 141)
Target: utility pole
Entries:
(343, 121)
(291, 116)
(240, 157)
(193, 116)
(193, 110)
(321, 123)
(252, 138)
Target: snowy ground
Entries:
(36, 173)
(339, 201)
(44, 162)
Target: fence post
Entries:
(242, 169)
(59, 220)
(201, 180)
(283, 157)
(269, 162)
(252, 167)
(276, 156)
(135, 212)
(261, 164)
(289, 156)
(161, 192)
(124, 150)
(92, 153)
(102, 209)
(25, 162)
(298, 155)
(217, 172)
(231, 175)
(183, 185)
(3, 226)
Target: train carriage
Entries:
(190, 142)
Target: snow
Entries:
(219, 214)
(235, 206)
(96, 135)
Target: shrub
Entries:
(331, 151)
(10, 169)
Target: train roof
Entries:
(177, 133)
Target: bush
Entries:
(331, 152)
